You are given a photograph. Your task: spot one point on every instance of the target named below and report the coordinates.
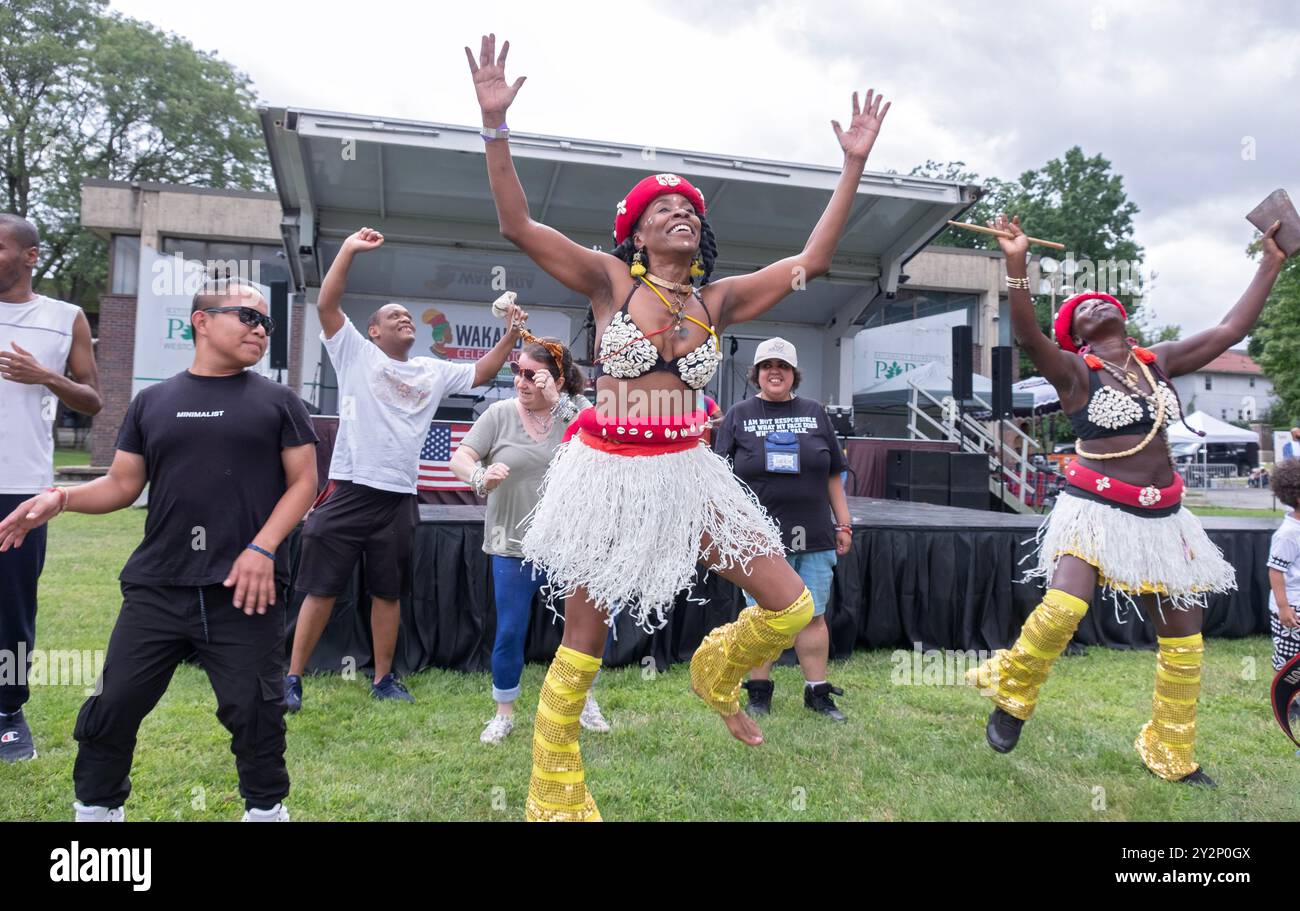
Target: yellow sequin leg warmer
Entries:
(556, 791)
(1013, 676)
(756, 637)
(1167, 741)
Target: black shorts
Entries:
(349, 521)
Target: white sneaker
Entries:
(497, 729)
(98, 814)
(591, 718)
(277, 813)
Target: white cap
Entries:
(776, 349)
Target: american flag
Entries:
(440, 442)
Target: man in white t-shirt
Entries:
(41, 341)
(386, 401)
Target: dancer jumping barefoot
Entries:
(633, 501)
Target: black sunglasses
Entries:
(247, 315)
(522, 371)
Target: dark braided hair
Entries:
(708, 251)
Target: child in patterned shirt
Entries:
(1284, 571)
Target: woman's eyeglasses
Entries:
(247, 315)
(522, 371)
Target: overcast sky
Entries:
(1197, 105)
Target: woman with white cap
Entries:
(785, 449)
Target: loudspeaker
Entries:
(1002, 370)
(962, 384)
(280, 337)
(969, 499)
(925, 493)
(917, 467)
(968, 471)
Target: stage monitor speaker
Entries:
(1002, 370)
(969, 499)
(928, 493)
(280, 337)
(962, 368)
(968, 471)
(917, 467)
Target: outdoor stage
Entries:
(941, 577)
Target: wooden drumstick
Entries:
(996, 233)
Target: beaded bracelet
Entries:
(565, 409)
(476, 481)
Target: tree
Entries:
(1275, 340)
(88, 93)
(1077, 201)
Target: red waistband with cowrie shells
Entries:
(1108, 488)
(644, 436)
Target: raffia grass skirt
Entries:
(628, 528)
(1170, 556)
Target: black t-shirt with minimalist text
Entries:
(211, 447)
(794, 501)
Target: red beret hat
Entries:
(630, 208)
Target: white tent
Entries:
(1046, 398)
(1216, 431)
(934, 378)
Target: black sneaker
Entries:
(818, 698)
(15, 738)
(293, 693)
(1199, 777)
(1003, 731)
(389, 687)
(760, 697)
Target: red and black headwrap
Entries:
(629, 209)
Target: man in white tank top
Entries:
(41, 340)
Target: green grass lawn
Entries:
(1237, 511)
(64, 457)
(907, 752)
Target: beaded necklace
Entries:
(1154, 400)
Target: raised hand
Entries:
(515, 317)
(1269, 247)
(857, 140)
(494, 93)
(1018, 243)
(363, 240)
(546, 386)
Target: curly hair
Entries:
(544, 352)
(708, 250)
(1285, 482)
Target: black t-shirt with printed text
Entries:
(211, 447)
(795, 501)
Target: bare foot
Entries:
(743, 728)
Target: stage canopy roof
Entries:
(424, 185)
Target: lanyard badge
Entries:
(781, 452)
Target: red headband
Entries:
(1065, 317)
(630, 209)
